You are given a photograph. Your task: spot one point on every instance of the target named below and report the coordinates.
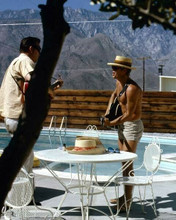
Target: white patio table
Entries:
(88, 185)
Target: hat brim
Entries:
(121, 65)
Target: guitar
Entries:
(58, 82)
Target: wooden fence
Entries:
(85, 107)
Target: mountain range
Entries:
(93, 41)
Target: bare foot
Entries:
(120, 200)
(120, 207)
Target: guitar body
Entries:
(115, 110)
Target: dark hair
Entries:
(27, 42)
(127, 70)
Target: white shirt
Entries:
(10, 95)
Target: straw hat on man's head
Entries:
(124, 62)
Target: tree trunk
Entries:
(37, 99)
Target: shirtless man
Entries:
(130, 126)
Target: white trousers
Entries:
(11, 126)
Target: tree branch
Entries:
(37, 100)
(142, 12)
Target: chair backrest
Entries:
(92, 131)
(21, 192)
(152, 157)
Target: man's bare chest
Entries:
(121, 94)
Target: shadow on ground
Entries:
(43, 193)
(165, 203)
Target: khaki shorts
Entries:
(131, 130)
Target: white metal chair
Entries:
(19, 197)
(151, 161)
(92, 131)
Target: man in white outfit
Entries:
(11, 91)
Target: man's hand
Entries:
(56, 85)
(106, 121)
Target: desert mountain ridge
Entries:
(92, 42)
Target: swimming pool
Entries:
(56, 139)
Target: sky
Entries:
(33, 4)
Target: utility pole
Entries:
(143, 63)
(160, 69)
(160, 66)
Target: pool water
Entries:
(56, 140)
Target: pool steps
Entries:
(54, 121)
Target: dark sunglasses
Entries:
(114, 68)
(112, 150)
(38, 48)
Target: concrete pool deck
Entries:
(49, 193)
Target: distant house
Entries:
(167, 83)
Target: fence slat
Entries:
(84, 107)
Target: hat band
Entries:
(122, 63)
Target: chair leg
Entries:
(60, 204)
(142, 199)
(107, 202)
(128, 208)
(117, 196)
(154, 206)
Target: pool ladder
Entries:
(54, 121)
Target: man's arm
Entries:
(54, 87)
(28, 76)
(114, 94)
(51, 89)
